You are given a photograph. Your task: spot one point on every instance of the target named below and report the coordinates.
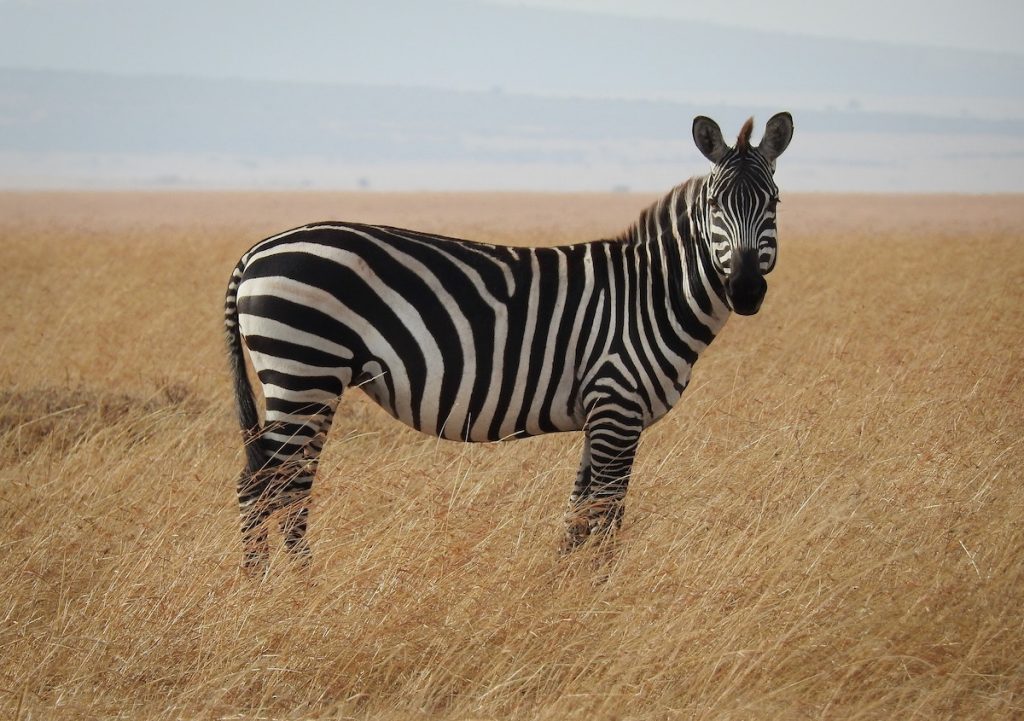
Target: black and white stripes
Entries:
(476, 342)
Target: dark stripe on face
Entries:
(741, 198)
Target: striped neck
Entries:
(670, 232)
(702, 276)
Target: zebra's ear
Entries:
(708, 137)
(777, 134)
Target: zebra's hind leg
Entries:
(597, 502)
(252, 505)
(295, 496)
(290, 442)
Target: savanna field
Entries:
(829, 526)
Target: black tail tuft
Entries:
(245, 402)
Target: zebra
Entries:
(476, 342)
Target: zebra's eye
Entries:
(713, 203)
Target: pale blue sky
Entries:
(994, 25)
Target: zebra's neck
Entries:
(669, 233)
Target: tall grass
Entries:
(829, 525)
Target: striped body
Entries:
(470, 341)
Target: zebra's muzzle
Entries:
(746, 290)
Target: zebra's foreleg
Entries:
(577, 526)
(597, 502)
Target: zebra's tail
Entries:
(245, 402)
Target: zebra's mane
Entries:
(743, 141)
(684, 195)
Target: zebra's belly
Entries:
(483, 418)
(448, 395)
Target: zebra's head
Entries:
(736, 210)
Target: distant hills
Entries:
(63, 129)
(47, 111)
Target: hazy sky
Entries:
(160, 36)
(252, 81)
(994, 25)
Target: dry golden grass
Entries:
(831, 525)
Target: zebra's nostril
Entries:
(748, 285)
